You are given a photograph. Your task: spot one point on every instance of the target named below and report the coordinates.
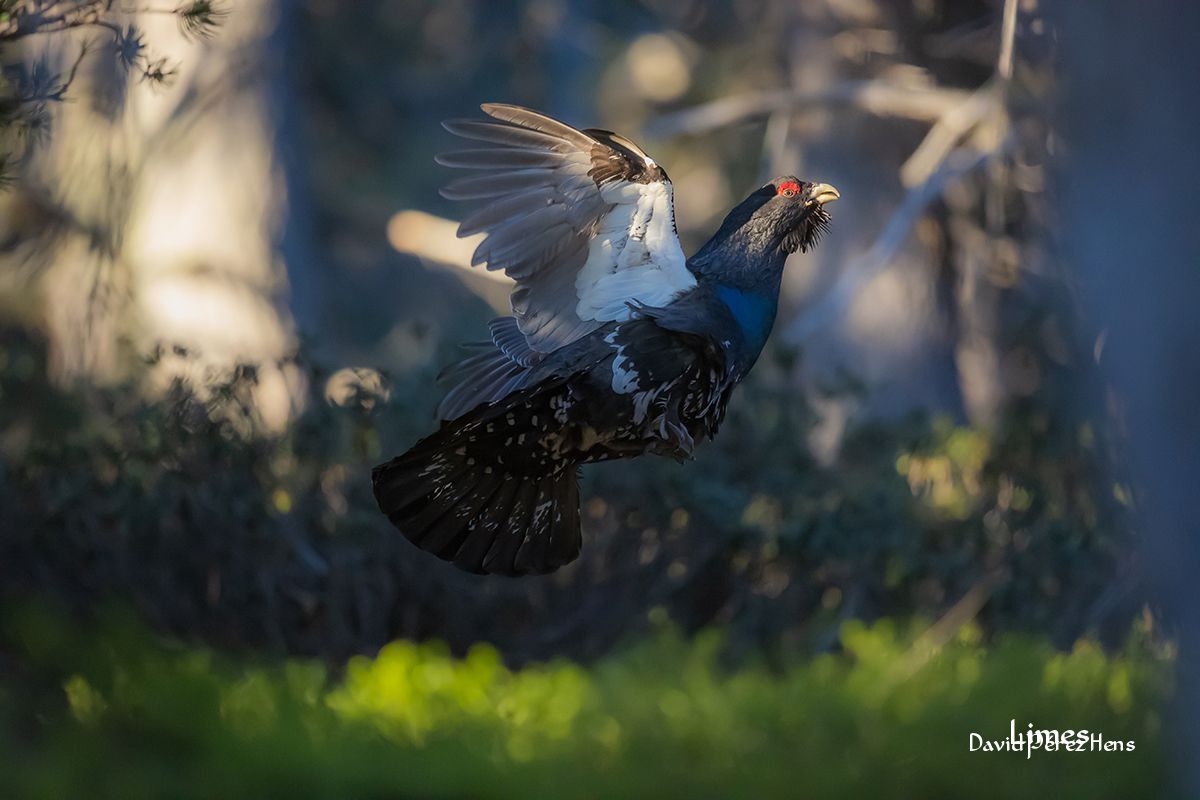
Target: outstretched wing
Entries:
(583, 221)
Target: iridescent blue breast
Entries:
(754, 313)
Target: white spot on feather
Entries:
(625, 378)
(641, 404)
(539, 514)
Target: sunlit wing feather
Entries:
(583, 221)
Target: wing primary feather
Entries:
(511, 135)
(535, 120)
(498, 158)
(562, 211)
(520, 229)
(504, 209)
(477, 187)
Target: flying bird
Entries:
(618, 344)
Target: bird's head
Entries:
(781, 217)
(792, 212)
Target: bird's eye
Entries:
(788, 189)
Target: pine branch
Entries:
(200, 18)
(26, 90)
(874, 96)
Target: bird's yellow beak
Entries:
(822, 193)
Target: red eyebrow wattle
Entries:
(795, 187)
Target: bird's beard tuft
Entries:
(805, 236)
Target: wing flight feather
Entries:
(582, 220)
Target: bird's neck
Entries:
(743, 267)
(744, 257)
(754, 312)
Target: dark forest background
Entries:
(951, 495)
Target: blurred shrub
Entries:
(110, 713)
(181, 501)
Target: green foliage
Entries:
(183, 502)
(110, 713)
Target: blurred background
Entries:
(227, 283)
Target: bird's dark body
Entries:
(495, 490)
(657, 383)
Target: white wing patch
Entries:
(625, 376)
(634, 256)
(583, 221)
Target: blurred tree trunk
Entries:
(159, 208)
(296, 242)
(1131, 125)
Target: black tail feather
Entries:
(444, 538)
(501, 557)
(486, 526)
(551, 535)
(448, 497)
(566, 539)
